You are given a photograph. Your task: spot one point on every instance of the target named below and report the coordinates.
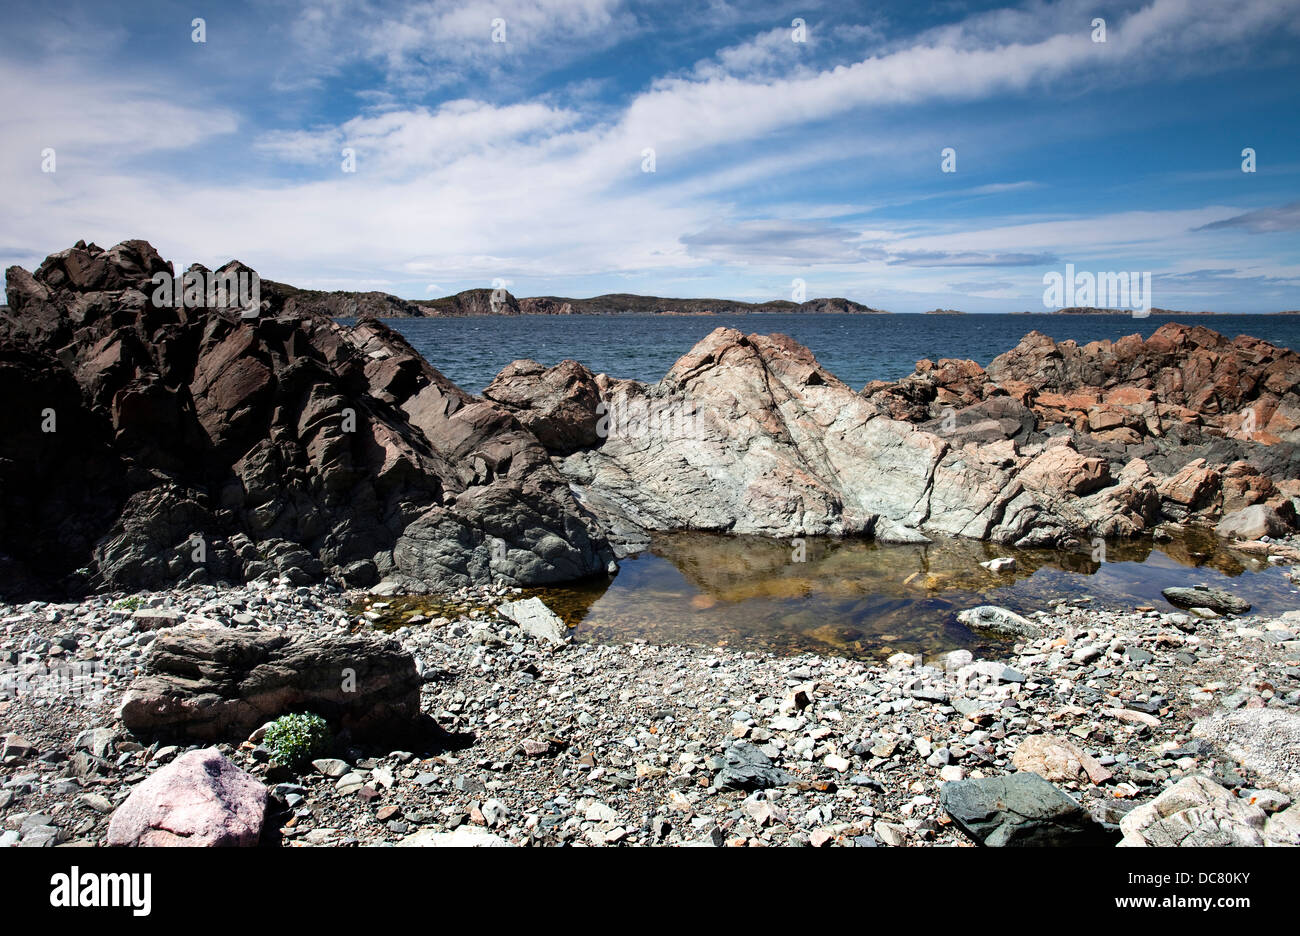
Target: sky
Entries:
(404, 147)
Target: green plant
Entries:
(295, 739)
(133, 603)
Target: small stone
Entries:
(890, 834)
(331, 767)
(836, 763)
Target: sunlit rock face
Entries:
(749, 434)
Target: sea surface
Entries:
(855, 348)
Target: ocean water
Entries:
(856, 348)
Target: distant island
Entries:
(1092, 310)
(945, 312)
(500, 302)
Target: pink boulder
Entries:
(201, 799)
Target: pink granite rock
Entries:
(201, 799)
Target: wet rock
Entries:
(200, 799)
(991, 619)
(1019, 810)
(1201, 596)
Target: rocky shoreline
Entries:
(206, 515)
(542, 741)
(155, 444)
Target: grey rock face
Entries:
(1022, 809)
(749, 434)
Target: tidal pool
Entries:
(868, 600)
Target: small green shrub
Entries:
(293, 740)
(134, 603)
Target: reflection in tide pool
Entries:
(864, 599)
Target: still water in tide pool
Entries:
(868, 600)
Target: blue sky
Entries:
(522, 161)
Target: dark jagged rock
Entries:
(557, 404)
(196, 444)
(748, 768)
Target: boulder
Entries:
(557, 404)
(536, 620)
(746, 767)
(212, 683)
(200, 799)
(1021, 809)
(1060, 471)
(1251, 523)
(1202, 596)
(1194, 812)
(1000, 622)
(1058, 760)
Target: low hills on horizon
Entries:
(485, 301)
(342, 304)
(479, 301)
